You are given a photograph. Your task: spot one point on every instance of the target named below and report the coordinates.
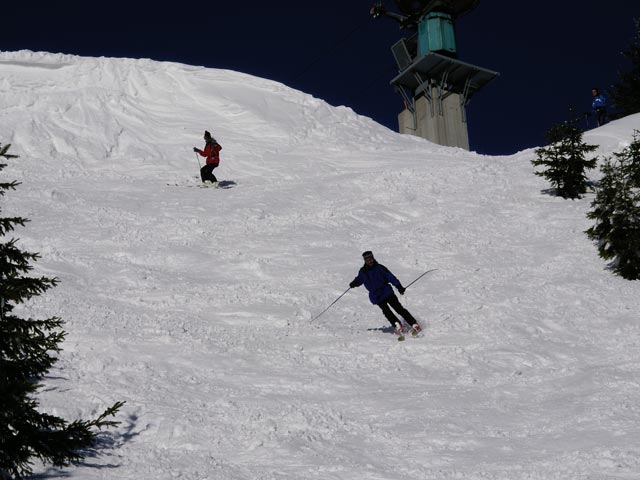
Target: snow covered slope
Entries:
(195, 305)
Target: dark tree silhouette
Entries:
(27, 353)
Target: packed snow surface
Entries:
(196, 306)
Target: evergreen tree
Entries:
(630, 161)
(626, 93)
(564, 160)
(616, 210)
(27, 352)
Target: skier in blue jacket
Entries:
(377, 279)
(599, 106)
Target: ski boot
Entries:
(400, 332)
(415, 330)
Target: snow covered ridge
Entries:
(71, 104)
(194, 305)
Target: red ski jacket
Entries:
(212, 152)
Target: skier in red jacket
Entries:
(212, 152)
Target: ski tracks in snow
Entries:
(194, 305)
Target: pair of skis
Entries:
(222, 185)
(400, 331)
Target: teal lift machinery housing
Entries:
(436, 87)
(436, 34)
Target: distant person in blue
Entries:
(377, 279)
(599, 106)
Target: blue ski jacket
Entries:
(599, 101)
(376, 280)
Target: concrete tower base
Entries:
(441, 121)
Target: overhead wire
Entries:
(384, 73)
(327, 52)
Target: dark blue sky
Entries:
(549, 53)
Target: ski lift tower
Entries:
(435, 86)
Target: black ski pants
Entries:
(392, 302)
(206, 172)
(601, 116)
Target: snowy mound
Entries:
(130, 118)
(195, 305)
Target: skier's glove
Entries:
(353, 284)
(401, 289)
(195, 149)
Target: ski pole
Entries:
(335, 301)
(428, 271)
(198, 160)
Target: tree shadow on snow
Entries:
(105, 446)
(553, 192)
